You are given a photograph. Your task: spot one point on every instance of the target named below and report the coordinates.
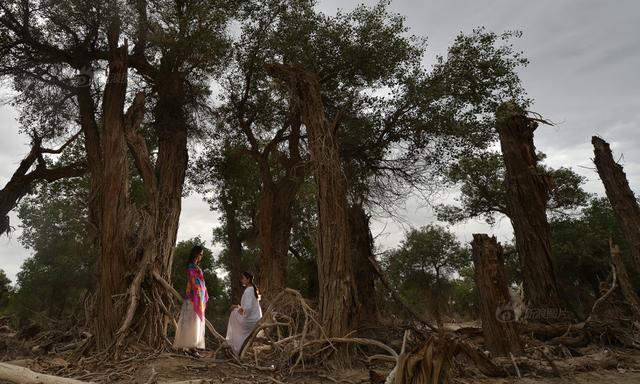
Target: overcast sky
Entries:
(584, 75)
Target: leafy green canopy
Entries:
(483, 194)
(5, 291)
(425, 264)
(61, 269)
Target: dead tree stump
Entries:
(528, 192)
(499, 332)
(624, 203)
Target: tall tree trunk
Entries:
(500, 335)
(138, 243)
(624, 203)
(114, 261)
(436, 299)
(159, 222)
(87, 110)
(362, 252)
(274, 234)
(337, 298)
(528, 192)
(234, 246)
(171, 126)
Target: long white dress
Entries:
(190, 331)
(191, 323)
(240, 326)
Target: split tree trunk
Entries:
(115, 258)
(137, 241)
(528, 192)
(500, 335)
(337, 290)
(362, 253)
(158, 218)
(275, 203)
(624, 203)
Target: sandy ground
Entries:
(178, 368)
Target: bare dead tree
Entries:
(624, 202)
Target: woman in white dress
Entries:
(245, 316)
(190, 331)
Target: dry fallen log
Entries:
(21, 375)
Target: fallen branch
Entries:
(603, 297)
(399, 298)
(21, 375)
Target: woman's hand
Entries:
(241, 311)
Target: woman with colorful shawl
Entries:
(191, 324)
(245, 316)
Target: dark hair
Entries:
(195, 251)
(249, 276)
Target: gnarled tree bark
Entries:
(362, 252)
(624, 202)
(528, 192)
(337, 289)
(234, 245)
(500, 336)
(115, 215)
(277, 195)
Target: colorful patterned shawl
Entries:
(196, 290)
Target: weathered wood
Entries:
(623, 201)
(528, 192)
(275, 206)
(500, 335)
(21, 375)
(629, 294)
(362, 251)
(114, 262)
(278, 191)
(337, 290)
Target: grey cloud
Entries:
(583, 73)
